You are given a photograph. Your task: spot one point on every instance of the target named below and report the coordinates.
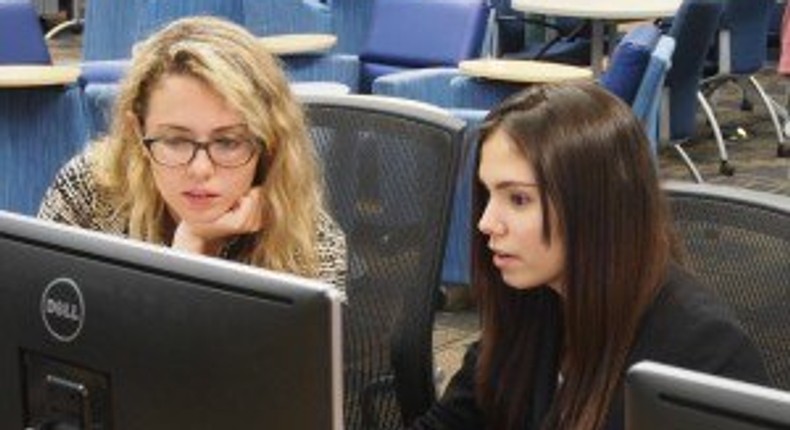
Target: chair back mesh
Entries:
(738, 243)
(389, 174)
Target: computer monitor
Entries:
(103, 333)
(670, 398)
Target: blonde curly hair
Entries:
(233, 63)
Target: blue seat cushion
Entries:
(629, 61)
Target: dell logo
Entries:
(63, 309)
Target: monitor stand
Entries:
(63, 396)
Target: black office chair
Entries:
(738, 243)
(389, 167)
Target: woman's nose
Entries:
(489, 224)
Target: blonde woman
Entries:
(207, 152)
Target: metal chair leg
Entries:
(724, 167)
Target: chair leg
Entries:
(689, 164)
(491, 36)
(724, 167)
(782, 150)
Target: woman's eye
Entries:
(177, 141)
(227, 143)
(519, 199)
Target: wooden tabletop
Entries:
(37, 76)
(294, 44)
(608, 9)
(523, 71)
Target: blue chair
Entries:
(647, 101)
(742, 51)
(693, 28)
(40, 129)
(21, 38)
(439, 33)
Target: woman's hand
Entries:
(209, 237)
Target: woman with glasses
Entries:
(207, 152)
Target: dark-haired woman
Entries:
(576, 272)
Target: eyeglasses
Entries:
(177, 151)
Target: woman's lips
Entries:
(198, 197)
(502, 260)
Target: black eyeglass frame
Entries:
(197, 145)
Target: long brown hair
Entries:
(594, 170)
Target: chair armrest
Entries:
(430, 85)
(478, 93)
(343, 68)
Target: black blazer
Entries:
(686, 326)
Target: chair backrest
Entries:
(389, 168)
(110, 29)
(629, 61)
(416, 33)
(648, 97)
(155, 14)
(694, 26)
(738, 243)
(21, 37)
(265, 17)
(40, 129)
(351, 21)
(113, 27)
(747, 24)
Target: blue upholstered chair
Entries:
(694, 27)
(647, 101)
(742, 51)
(629, 61)
(438, 33)
(40, 129)
(21, 38)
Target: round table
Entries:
(26, 76)
(298, 44)
(523, 71)
(600, 12)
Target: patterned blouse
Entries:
(74, 199)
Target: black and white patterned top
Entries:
(75, 199)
